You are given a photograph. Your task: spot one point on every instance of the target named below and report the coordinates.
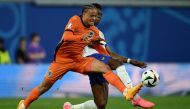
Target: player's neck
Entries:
(87, 26)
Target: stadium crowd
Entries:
(26, 52)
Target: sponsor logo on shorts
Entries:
(103, 58)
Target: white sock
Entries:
(86, 105)
(124, 76)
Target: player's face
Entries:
(36, 39)
(98, 18)
(23, 43)
(89, 17)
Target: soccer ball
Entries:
(150, 78)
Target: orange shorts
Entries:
(57, 69)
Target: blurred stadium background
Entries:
(155, 31)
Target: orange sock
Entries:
(114, 80)
(34, 94)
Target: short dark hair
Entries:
(97, 5)
(1, 40)
(87, 7)
(33, 35)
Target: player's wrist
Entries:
(128, 60)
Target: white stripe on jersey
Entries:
(89, 51)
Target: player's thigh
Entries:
(100, 93)
(114, 63)
(99, 67)
(90, 65)
(103, 58)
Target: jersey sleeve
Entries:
(72, 24)
(70, 28)
(101, 35)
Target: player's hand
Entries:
(87, 37)
(138, 63)
(98, 41)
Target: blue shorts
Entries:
(96, 78)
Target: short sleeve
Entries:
(102, 36)
(72, 24)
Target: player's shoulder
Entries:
(75, 18)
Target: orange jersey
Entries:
(71, 46)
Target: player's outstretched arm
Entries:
(137, 63)
(126, 60)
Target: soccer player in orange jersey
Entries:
(79, 32)
(99, 84)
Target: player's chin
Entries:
(91, 23)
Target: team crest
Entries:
(49, 73)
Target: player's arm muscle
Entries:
(69, 36)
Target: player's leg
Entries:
(121, 72)
(119, 66)
(114, 64)
(53, 74)
(86, 105)
(99, 88)
(125, 78)
(99, 85)
(100, 93)
(35, 93)
(92, 65)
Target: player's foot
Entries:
(132, 91)
(142, 103)
(21, 105)
(67, 105)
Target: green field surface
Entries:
(167, 102)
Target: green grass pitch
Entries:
(167, 102)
